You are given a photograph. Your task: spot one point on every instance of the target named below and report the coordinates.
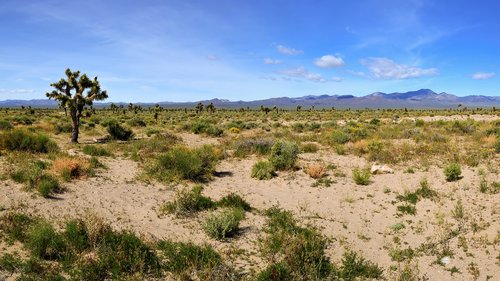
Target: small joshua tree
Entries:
(75, 93)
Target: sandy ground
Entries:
(353, 217)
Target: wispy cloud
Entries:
(16, 91)
(329, 61)
(288, 50)
(337, 79)
(272, 61)
(483, 75)
(301, 72)
(384, 68)
(212, 58)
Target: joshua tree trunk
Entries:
(76, 124)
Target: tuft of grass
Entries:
(188, 202)
(94, 150)
(23, 140)
(407, 209)
(70, 168)
(452, 172)
(253, 146)
(185, 257)
(361, 176)
(221, 225)
(284, 155)
(354, 266)
(48, 185)
(309, 148)
(182, 163)
(233, 200)
(316, 171)
(263, 170)
(44, 242)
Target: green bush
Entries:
(253, 146)
(44, 242)
(284, 154)
(309, 148)
(221, 225)
(94, 150)
(207, 128)
(136, 122)
(48, 185)
(233, 200)
(181, 163)
(361, 176)
(339, 137)
(5, 125)
(63, 127)
(188, 202)
(22, 140)
(263, 170)
(117, 132)
(452, 172)
(16, 225)
(184, 257)
(353, 266)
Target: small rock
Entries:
(445, 260)
(381, 169)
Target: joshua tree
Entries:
(75, 93)
(211, 107)
(199, 108)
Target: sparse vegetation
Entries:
(224, 224)
(361, 176)
(263, 170)
(452, 172)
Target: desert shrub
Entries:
(63, 127)
(263, 170)
(407, 209)
(284, 154)
(316, 171)
(275, 271)
(497, 145)
(44, 242)
(354, 266)
(5, 125)
(70, 168)
(152, 131)
(136, 122)
(233, 200)
(117, 132)
(148, 148)
(206, 128)
(452, 172)
(419, 123)
(10, 263)
(184, 257)
(181, 163)
(48, 185)
(188, 202)
(221, 225)
(339, 137)
(22, 140)
(295, 252)
(16, 225)
(309, 147)
(76, 236)
(361, 176)
(253, 146)
(94, 150)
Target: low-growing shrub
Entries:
(452, 172)
(185, 257)
(497, 145)
(233, 200)
(136, 122)
(316, 171)
(117, 132)
(253, 146)
(354, 266)
(44, 242)
(339, 137)
(70, 168)
(309, 147)
(263, 170)
(48, 185)
(5, 125)
(22, 140)
(182, 163)
(94, 150)
(188, 202)
(221, 225)
(284, 154)
(361, 176)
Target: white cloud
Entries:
(288, 51)
(301, 72)
(384, 68)
(483, 75)
(16, 91)
(337, 79)
(356, 73)
(329, 61)
(271, 61)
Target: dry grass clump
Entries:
(70, 168)
(316, 171)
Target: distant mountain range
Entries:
(423, 98)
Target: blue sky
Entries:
(182, 50)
